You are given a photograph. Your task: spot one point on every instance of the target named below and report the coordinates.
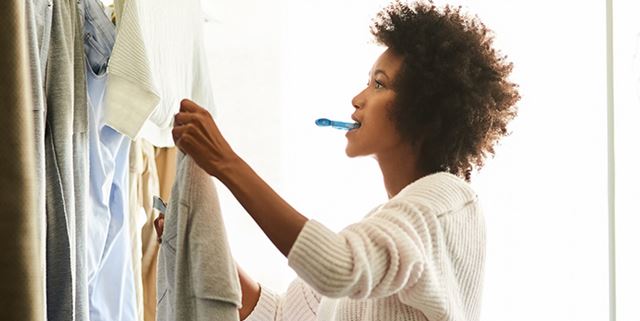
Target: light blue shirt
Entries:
(112, 293)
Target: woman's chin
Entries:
(351, 151)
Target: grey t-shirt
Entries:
(197, 277)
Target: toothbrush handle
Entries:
(342, 125)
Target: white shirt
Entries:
(158, 59)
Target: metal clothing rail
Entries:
(611, 178)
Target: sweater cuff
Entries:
(323, 259)
(128, 105)
(266, 308)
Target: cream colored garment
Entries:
(21, 296)
(152, 172)
(144, 185)
(166, 164)
(158, 59)
(418, 257)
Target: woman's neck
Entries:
(398, 170)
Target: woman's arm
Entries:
(250, 293)
(197, 135)
(279, 221)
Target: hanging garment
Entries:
(166, 159)
(38, 20)
(197, 278)
(80, 167)
(158, 60)
(150, 175)
(110, 274)
(20, 263)
(143, 186)
(66, 168)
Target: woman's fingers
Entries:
(159, 225)
(177, 132)
(189, 106)
(191, 113)
(196, 134)
(183, 136)
(183, 118)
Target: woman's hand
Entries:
(158, 223)
(197, 135)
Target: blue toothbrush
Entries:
(323, 122)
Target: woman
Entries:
(436, 103)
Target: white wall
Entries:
(277, 66)
(546, 192)
(243, 40)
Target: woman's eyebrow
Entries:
(380, 71)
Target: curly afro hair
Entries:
(453, 99)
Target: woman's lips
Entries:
(351, 131)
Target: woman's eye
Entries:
(378, 85)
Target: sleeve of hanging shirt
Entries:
(130, 96)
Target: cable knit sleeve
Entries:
(299, 303)
(422, 251)
(267, 307)
(385, 253)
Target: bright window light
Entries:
(626, 38)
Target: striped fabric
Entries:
(158, 59)
(420, 256)
(131, 95)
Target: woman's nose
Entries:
(358, 101)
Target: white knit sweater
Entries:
(420, 256)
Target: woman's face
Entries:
(377, 133)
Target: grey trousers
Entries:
(20, 262)
(66, 171)
(80, 166)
